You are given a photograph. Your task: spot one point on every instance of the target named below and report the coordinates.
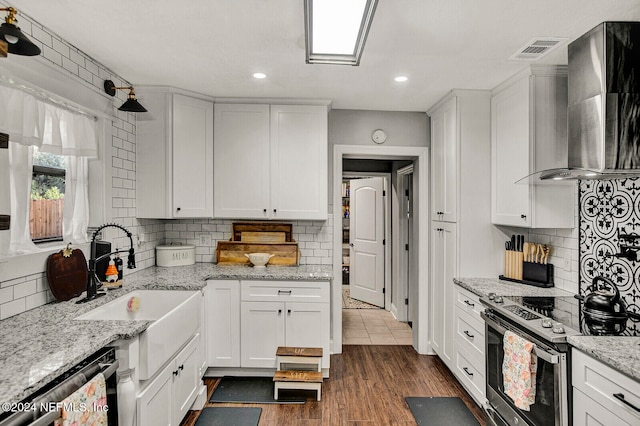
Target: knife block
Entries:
(538, 274)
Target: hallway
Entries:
(373, 327)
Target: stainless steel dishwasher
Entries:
(43, 403)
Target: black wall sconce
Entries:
(17, 42)
(131, 104)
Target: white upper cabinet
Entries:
(174, 156)
(444, 161)
(241, 161)
(529, 134)
(270, 161)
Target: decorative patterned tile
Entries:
(609, 208)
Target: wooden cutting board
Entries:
(67, 273)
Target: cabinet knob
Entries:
(279, 311)
(177, 209)
(523, 216)
(264, 210)
(175, 373)
(181, 367)
(274, 210)
(289, 311)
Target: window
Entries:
(47, 196)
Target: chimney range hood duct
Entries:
(604, 105)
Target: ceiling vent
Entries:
(537, 48)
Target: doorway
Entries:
(418, 156)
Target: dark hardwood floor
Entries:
(367, 386)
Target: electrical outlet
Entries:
(566, 264)
(205, 240)
(141, 239)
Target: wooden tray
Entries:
(233, 253)
(238, 228)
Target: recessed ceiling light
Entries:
(401, 78)
(259, 75)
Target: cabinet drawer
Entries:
(469, 303)
(588, 412)
(600, 382)
(285, 291)
(470, 334)
(471, 377)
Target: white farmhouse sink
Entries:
(175, 316)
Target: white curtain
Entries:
(20, 170)
(76, 200)
(30, 121)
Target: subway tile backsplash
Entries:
(315, 238)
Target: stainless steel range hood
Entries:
(604, 105)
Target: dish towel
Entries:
(86, 406)
(519, 370)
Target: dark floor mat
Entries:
(253, 390)
(430, 411)
(229, 416)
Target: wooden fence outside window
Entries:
(45, 218)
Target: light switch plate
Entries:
(205, 240)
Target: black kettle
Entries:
(603, 299)
(605, 312)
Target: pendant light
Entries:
(17, 42)
(131, 104)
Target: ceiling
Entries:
(213, 47)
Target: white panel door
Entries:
(192, 157)
(510, 133)
(366, 236)
(262, 331)
(307, 325)
(223, 323)
(241, 161)
(299, 167)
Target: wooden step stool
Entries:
(298, 379)
(295, 379)
(293, 355)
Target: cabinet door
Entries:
(154, 403)
(185, 380)
(510, 144)
(223, 323)
(307, 325)
(299, 151)
(444, 162)
(192, 157)
(241, 161)
(588, 412)
(262, 331)
(443, 301)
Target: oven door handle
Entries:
(550, 357)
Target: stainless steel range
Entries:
(546, 322)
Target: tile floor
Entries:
(373, 327)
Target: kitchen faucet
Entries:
(92, 280)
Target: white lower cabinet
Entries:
(166, 399)
(272, 315)
(223, 323)
(469, 343)
(601, 394)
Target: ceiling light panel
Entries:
(336, 30)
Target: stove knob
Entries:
(498, 299)
(558, 329)
(546, 323)
(492, 296)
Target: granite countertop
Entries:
(620, 352)
(41, 344)
(484, 286)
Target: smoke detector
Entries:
(538, 48)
